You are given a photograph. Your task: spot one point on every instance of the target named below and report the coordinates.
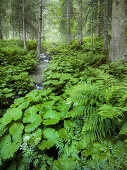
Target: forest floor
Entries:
(78, 120)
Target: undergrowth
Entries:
(16, 63)
(78, 121)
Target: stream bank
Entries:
(36, 75)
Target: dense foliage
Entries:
(16, 63)
(79, 119)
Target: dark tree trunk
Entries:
(118, 45)
(68, 22)
(43, 27)
(105, 40)
(40, 28)
(79, 31)
(92, 31)
(1, 36)
(24, 26)
(98, 26)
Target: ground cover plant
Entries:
(78, 121)
(16, 63)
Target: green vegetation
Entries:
(79, 119)
(16, 63)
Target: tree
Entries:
(3, 5)
(24, 26)
(1, 36)
(39, 28)
(98, 26)
(118, 45)
(68, 22)
(105, 39)
(92, 30)
(79, 31)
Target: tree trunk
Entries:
(40, 28)
(24, 26)
(1, 36)
(91, 31)
(68, 22)
(19, 33)
(43, 27)
(118, 45)
(105, 39)
(79, 31)
(98, 26)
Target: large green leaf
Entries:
(31, 110)
(8, 148)
(51, 136)
(17, 102)
(11, 114)
(34, 120)
(16, 130)
(24, 105)
(51, 117)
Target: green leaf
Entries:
(24, 105)
(11, 114)
(8, 148)
(123, 130)
(69, 124)
(43, 145)
(31, 110)
(70, 163)
(51, 135)
(17, 102)
(16, 130)
(51, 117)
(35, 121)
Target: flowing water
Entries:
(36, 75)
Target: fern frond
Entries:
(108, 111)
(86, 100)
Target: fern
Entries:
(86, 99)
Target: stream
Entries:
(36, 75)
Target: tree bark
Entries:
(40, 28)
(79, 31)
(68, 22)
(43, 27)
(118, 45)
(24, 26)
(1, 36)
(91, 31)
(98, 26)
(105, 38)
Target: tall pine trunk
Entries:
(79, 31)
(105, 38)
(24, 26)
(98, 26)
(1, 36)
(43, 26)
(91, 31)
(39, 28)
(118, 45)
(68, 22)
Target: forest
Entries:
(63, 84)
